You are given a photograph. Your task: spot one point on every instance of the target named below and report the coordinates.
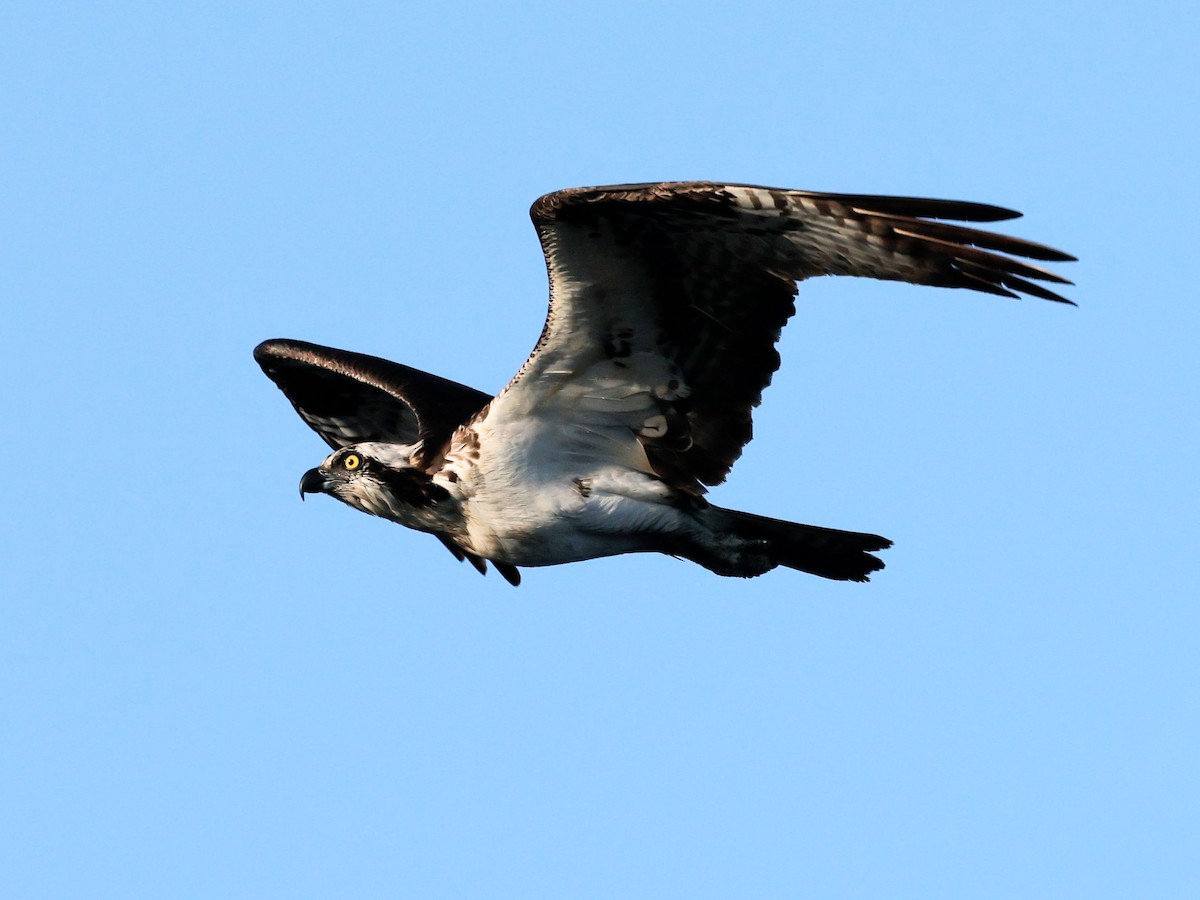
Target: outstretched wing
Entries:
(351, 397)
(666, 300)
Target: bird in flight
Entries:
(666, 301)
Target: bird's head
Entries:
(376, 478)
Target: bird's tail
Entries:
(828, 552)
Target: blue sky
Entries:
(210, 690)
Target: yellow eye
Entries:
(352, 461)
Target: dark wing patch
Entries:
(717, 265)
(477, 562)
(349, 397)
(511, 574)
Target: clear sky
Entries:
(208, 689)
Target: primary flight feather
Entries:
(666, 301)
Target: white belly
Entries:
(554, 486)
(570, 518)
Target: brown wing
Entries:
(690, 283)
(351, 397)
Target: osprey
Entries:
(666, 301)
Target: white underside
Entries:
(547, 488)
(554, 522)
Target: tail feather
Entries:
(827, 552)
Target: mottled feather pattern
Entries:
(721, 263)
(666, 303)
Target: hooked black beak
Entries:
(313, 482)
